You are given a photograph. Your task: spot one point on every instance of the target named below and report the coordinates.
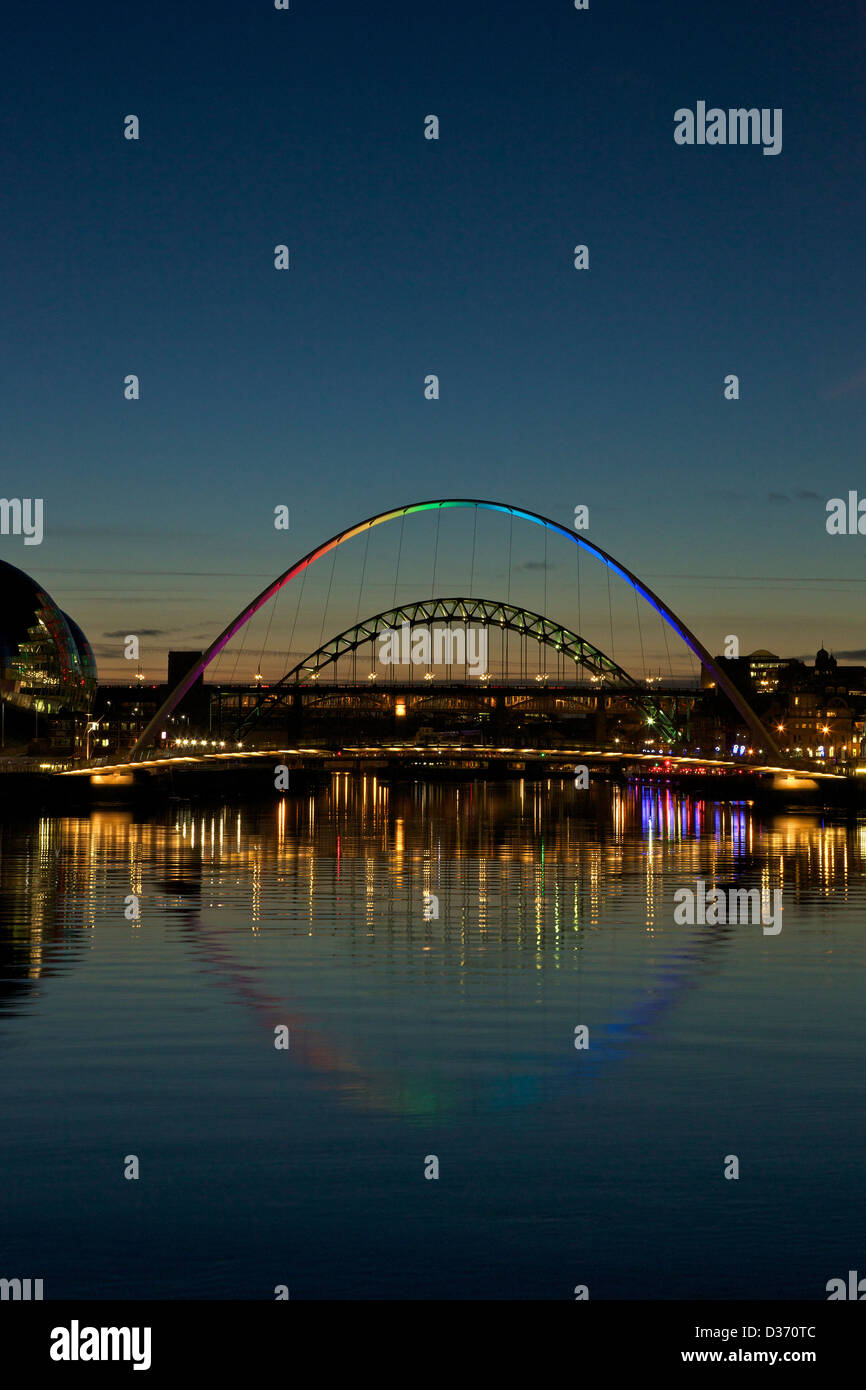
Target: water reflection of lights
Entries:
(553, 870)
(532, 886)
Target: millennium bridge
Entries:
(585, 678)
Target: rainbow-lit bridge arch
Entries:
(151, 733)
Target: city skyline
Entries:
(156, 643)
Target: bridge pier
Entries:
(601, 720)
(497, 715)
(294, 715)
(111, 781)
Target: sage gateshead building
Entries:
(46, 662)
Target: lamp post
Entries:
(92, 726)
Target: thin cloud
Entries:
(114, 532)
(729, 495)
(726, 494)
(852, 386)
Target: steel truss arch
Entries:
(484, 612)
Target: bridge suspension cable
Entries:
(158, 723)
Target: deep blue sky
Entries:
(411, 256)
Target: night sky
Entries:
(412, 256)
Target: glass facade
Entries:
(46, 662)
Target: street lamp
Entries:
(91, 728)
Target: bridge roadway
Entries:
(472, 757)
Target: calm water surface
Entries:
(451, 1037)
